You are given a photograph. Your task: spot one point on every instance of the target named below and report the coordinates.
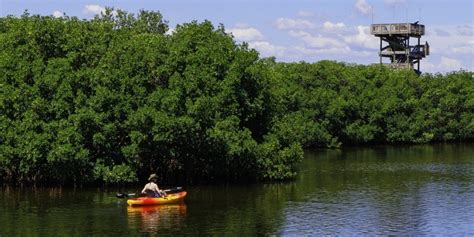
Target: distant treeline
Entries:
(115, 98)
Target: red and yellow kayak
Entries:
(146, 201)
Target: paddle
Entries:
(171, 190)
(126, 195)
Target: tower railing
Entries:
(397, 29)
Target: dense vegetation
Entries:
(330, 104)
(115, 98)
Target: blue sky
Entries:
(304, 30)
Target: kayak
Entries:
(146, 201)
(171, 209)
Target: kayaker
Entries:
(151, 189)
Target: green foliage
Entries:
(117, 174)
(334, 103)
(113, 99)
(278, 162)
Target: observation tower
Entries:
(395, 44)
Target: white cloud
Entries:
(57, 14)
(242, 32)
(466, 30)
(246, 34)
(363, 7)
(447, 46)
(170, 31)
(324, 51)
(293, 24)
(267, 49)
(93, 9)
(450, 41)
(318, 41)
(464, 49)
(363, 38)
(445, 64)
(449, 64)
(427, 66)
(333, 26)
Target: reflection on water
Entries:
(418, 190)
(154, 218)
(412, 190)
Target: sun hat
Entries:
(152, 176)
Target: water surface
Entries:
(413, 190)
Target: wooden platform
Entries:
(399, 65)
(402, 29)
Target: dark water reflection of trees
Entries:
(415, 190)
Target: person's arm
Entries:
(144, 189)
(155, 188)
(160, 191)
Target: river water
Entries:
(412, 190)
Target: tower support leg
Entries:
(418, 60)
(380, 52)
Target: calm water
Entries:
(417, 190)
